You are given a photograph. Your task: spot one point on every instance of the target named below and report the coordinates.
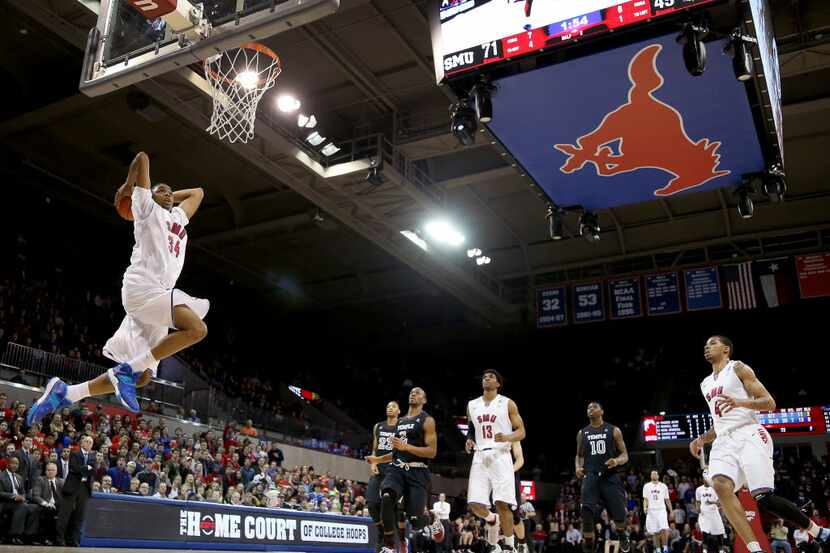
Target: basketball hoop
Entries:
(238, 78)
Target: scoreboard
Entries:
(473, 33)
(792, 421)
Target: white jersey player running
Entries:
(657, 506)
(495, 423)
(742, 449)
(711, 523)
(148, 292)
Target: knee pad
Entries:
(768, 502)
(587, 520)
(374, 511)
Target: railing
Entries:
(194, 392)
(43, 365)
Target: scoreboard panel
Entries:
(475, 33)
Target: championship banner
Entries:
(551, 308)
(131, 521)
(813, 275)
(753, 515)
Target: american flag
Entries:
(740, 288)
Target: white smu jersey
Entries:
(708, 499)
(489, 420)
(727, 383)
(160, 242)
(656, 493)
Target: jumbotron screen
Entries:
(791, 421)
(474, 33)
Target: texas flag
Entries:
(775, 281)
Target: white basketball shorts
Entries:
(149, 317)
(656, 521)
(744, 455)
(492, 472)
(711, 523)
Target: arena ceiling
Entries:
(335, 243)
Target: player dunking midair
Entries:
(600, 448)
(382, 435)
(407, 475)
(742, 449)
(496, 425)
(148, 292)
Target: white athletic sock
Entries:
(753, 546)
(493, 529)
(508, 541)
(77, 392)
(142, 362)
(813, 529)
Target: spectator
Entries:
(119, 475)
(47, 495)
(77, 488)
(573, 537)
(678, 515)
(248, 429)
(778, 534)
(24, 516)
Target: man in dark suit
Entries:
(63, 463)
(47, 495)
(13, 500)
(29, 470)
(77, 488)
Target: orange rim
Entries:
(257, 47)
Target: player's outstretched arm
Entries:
(137, 175)
(579, 460)
(516, 422)
(189, 200)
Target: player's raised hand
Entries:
(695, 447)
(469, 446)
(727, 403)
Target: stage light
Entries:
(315, 139)
(589, 227)
(306, 121)
(415, 239)
(694, 50)
(774, 184)
(483, 102)
(474, 252)
(554, 217)
(463, 123)
(741, 61)
(287, 103)
(483, 260)
(330, 149)
(248, 79)
(745, 204)
(442, 231)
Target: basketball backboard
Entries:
(131, 42)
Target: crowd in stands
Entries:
(135, 457)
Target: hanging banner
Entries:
(588, 303)
(662, 294)
(813, 275)
(551, 308)
(625, 298)
(702, 289)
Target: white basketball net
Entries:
(238, 78)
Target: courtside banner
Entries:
(131, 521)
